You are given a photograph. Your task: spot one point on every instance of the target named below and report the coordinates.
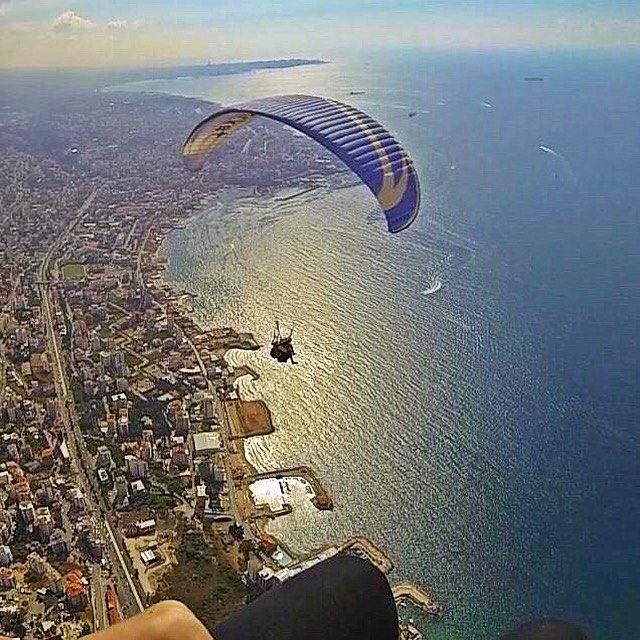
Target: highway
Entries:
(129, 596)
(44, 294)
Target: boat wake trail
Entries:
(435, 280)
(434, 287)
(564, 163)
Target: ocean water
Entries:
(468, 389)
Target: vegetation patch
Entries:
(153, 409)
(209, 588)
(74, 271)
(172, 484)
(132, 359)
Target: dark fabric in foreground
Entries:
(344, 598)
(547, 630)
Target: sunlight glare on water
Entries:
(479, 432)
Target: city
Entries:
(317, 320)
(122, 427)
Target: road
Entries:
(143, 244)
(44, 293)
(127, 243)
(98, 599)
(129, 596)
(225, 433)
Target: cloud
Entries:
(119, 25)
(73, 40)
(5, 6)
(70, 21)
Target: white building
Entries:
(44, 522)
(205, 443)
(28, 512)
(137, 488)
(149, 557)
(145, 527)
(201, 497)
(104, 458)
(123, 426)
(119, 400)
(265, 578)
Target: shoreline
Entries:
(254, 516)
(211, 70)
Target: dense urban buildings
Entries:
(122, 459)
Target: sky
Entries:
(64, 33)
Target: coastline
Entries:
(255, 516)
(417, 417)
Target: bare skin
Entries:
(168, 620)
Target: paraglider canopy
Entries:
(363, 144)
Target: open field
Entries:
(73, 271)
(249, 418)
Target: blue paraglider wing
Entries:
(363, 144)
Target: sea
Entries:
(469, 389)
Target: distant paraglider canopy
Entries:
(363, 144)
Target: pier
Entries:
(297, 194)
(241, 371)
(408, 593)
(262, 511)
(221, 339)
(365, 548)
(322, 498)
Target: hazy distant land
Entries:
(24, 85)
